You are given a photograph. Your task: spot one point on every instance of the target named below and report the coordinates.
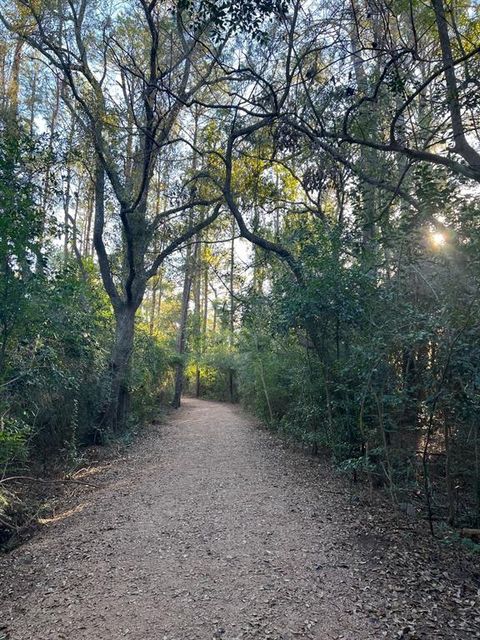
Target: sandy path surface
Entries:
(209, 528)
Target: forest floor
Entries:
(211, 527)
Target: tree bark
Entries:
(116, 412)
(197, 324)
(190, 265)
(182, 334)
(231, 382)
(153, 308)
(114, 415)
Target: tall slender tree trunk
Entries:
(182, 333)
(75, 223)
(40, 263)
(33, 100)
(204, 322)
(369, 157)
(87, 245)
(14, 83)
(231, 373)
(68, 194)
(190, 264)
(66, 213)
(198, 322)
(153, 308)
(476, 427)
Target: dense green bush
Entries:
(213, 370)
(152, 374)
(56, 331)
(55, 374)
(382, 372)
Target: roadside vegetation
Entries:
(267, 202)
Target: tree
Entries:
(421, 70)
(148, 54)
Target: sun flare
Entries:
(438, 239)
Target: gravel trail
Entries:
(209, 528)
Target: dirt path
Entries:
(210, 528)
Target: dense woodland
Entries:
(270, 202)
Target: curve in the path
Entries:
(211, 528)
